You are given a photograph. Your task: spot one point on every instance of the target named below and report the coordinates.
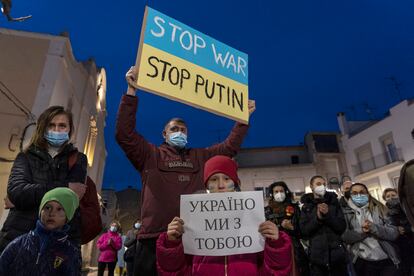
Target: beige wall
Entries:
(296, 176)
(22, 60)
(40, 70)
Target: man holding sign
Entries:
(233, 254)
(167, 171)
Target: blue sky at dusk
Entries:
(308, 60)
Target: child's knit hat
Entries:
(221, 164)
(66, 197)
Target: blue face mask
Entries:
(177, 139)
(360, 200)
(55, 138)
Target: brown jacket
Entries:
(166, 173)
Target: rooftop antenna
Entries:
(352, 108)
(368, 109)
(397, 86)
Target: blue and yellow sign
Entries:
(177, 62)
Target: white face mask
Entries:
(113, 229)
(279, 196)
(320, 190)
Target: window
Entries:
(294, 159)
(265, 191)
(375, 192)
(325, 143)
(331, 169)
(390, 150)
(365, 159)
(395, 180)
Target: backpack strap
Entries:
(73, 157)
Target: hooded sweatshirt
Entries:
(368, 249)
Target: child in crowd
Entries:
(46, 250)
(220, 175)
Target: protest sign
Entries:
(220, 224)
(177, 62)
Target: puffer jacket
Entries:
(381, 230)
(35, 172)
(109, 251)
(41, 252)
(326, 248)
(276, 259)
(166, 172)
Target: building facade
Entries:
(40, 70)
(124, 206)
(376, 150)
(321, 154)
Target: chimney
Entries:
(343, 123)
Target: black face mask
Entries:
(393, 203)
(347, 194)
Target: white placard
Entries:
(219, 224)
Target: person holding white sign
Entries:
(220, 175)
(167, 171)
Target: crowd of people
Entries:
(316, 235)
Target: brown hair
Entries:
(176, 119)
(315, 177)
(372, 201)
(118, 225)
(388, 190)
(43, 121)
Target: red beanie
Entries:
(221, 164)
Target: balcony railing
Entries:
(378, 161)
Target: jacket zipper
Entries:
(38, 257)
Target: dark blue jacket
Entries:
(41, 252)
(34, 173)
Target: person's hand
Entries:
(366, 226)
(287, 224)
(321, 210)
(131, 78)
(252, 106)
(78, 188)
(109, 241)
(269, 230)
(175, 229)
(401, 230)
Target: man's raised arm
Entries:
(133, 144)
